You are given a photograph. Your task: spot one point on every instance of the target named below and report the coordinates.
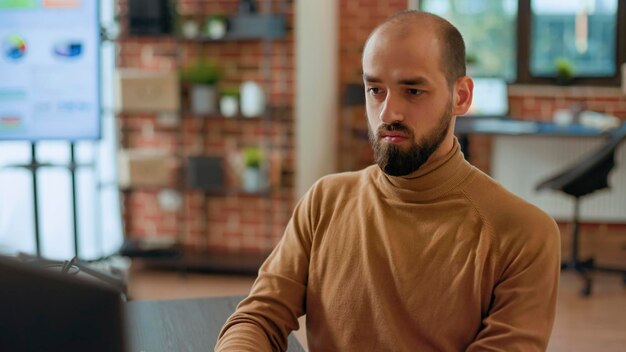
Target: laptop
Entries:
(43, 309)
(490, 98)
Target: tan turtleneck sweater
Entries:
(444, 259)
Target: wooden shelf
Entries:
(216, 116)
(236, 192)
(274, 113)
(145, 188)
(227, 39)
(242, 28)
(251, 27)
(196, 40)
(224, 192)
(136, 247)
(207, 261)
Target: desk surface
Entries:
(473, 125)
(181, 325)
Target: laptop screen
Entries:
(490, 97)
(45, 310)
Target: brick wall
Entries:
(232, 220)
(357, 18)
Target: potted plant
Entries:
(202, 77)
(216, 26)
(565, 71)
(252, 99)
(229, 101)
(188, 26)
(252, 179)
(471, 62)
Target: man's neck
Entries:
(444, 148)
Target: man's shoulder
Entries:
(518, 228)
(503, 209)
(341, 186)
(347, 179)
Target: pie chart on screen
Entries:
(13, 47)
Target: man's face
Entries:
(397, 160)
(408, 100)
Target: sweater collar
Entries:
(431, 181)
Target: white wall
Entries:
(510, 157)
(316, 90)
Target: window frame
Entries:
(524, 33)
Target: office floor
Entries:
(597, 323)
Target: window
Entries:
(529, 41)
(578, 34)
(489, 29)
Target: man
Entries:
(421, 252)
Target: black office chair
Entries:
(581, 179)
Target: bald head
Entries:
(451, 48)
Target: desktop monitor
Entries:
(49, 69)
(45, 310)
(490, 98)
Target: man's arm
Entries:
(523, 304)
(263, 321)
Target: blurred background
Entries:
(175, 137)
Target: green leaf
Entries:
(201, 73)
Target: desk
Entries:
(181, 325)
(524, 153)
(497, 126)
(505, 126)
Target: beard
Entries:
(397, 161)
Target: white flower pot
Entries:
(203, 100)
(252, 99)
(190, 29)
(216, 28)
(252, 179)
(229, 106)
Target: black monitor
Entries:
(42, 309)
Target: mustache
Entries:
(393, 127)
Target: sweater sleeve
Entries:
(523, 302)
(263, 320)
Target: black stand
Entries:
(72, 167)
(584, 267)
(33, 167)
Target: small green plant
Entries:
(564, 69)
(201, 73)
(252, 157)
(230, 91)
(471, 59)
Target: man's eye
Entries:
(373, 90)
(413, 91)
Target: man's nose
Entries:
(391, 110)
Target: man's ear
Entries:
(463, 93)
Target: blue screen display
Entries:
(49, 70)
